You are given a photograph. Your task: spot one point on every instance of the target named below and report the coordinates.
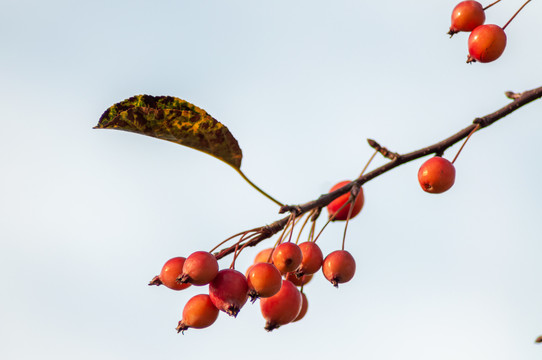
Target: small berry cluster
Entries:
(276, 278)
(486, 41)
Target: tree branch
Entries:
(519, 100)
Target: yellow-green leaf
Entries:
(172, 119)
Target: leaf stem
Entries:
(257, 188)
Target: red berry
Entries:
(287, 257)
(339, 267)
(169, 274)
(312, 259)
(304, 307)
(281, 308)
(336, 204)
(229, 291)
(200, 268)
(436, 175)
(198, 313)
(263, 256)
(263, 280)
(486, 43)
(466, 16)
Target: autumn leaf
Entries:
(172, 119)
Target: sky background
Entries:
(88, 217)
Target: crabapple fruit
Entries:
(200, 268)
(312, 259)
(466, 16)
(198, 313)
(229, 291)
(169, 274)
(339, 267)
(264, 280)
(287, 257)
(334, 206)
(281, 308)
(486, 43)
(263, 256)
(436, 175)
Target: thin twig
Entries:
(269, 230)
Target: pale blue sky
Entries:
(88, 217)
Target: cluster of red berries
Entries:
(273, 278)
(486, 41)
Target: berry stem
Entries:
(346, 225)
(303, 226)
(517, 12)
(293, 225)
(258, 189)
(490, 5)
(352, 199)
(369, 162)
(242, 234)
(311, 233)
(464, 142)
(332, 217)
(235, 254)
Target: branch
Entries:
(519, 100)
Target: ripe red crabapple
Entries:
(312, 259)
(200, 268)
(336, 204)
(339, 267)
(198, 313)
(486, 43)
(169, 274)
(281, 308)
(287, 257)
(436, 175)
(466, 16)
(263, 280)
(229, 291)
(263, 256)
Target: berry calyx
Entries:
(198, 313)
(200, 268)
(312, 259)
(486, 43)
(466, 16)
(287, 257)
(281, 308)
(264, 280)
(334, 206)
(339, 267)
(229, 291)
(169, 274)
(436, 175)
